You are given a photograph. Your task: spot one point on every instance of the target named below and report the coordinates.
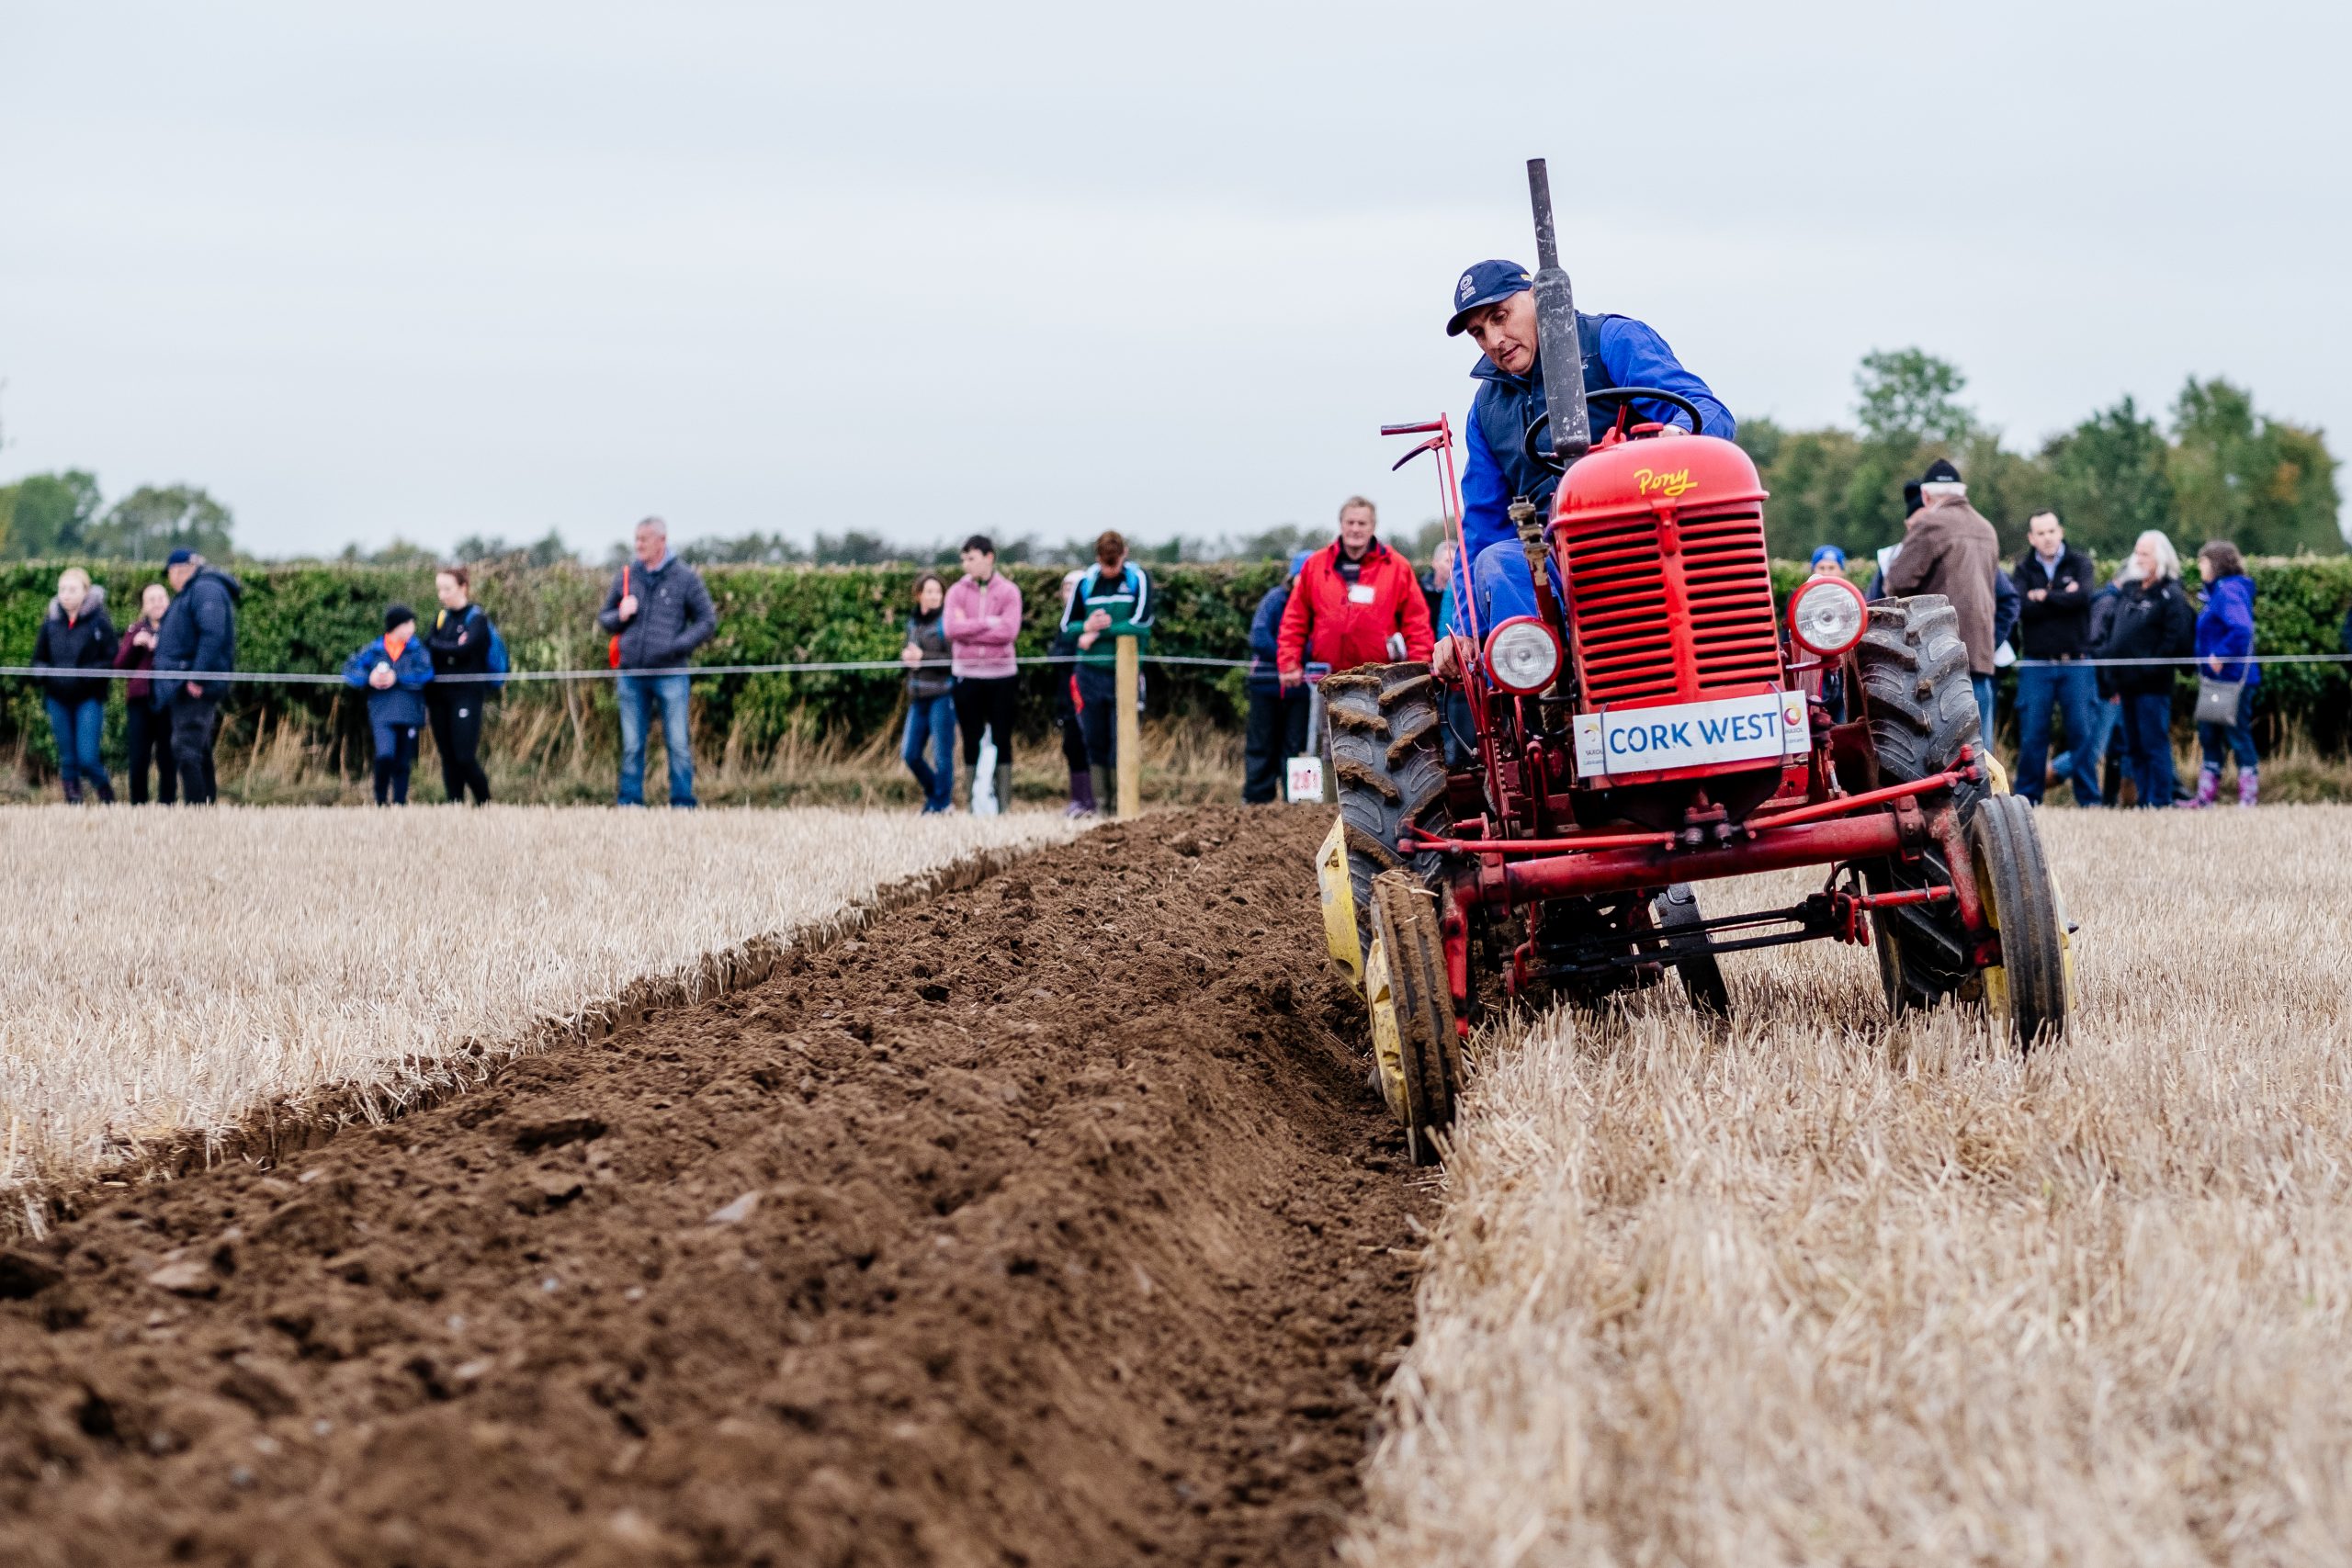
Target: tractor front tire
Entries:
(2028, 992)
(1388, 771)
(1415, 1046)
(1922, 710)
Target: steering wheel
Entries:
(1547, 461)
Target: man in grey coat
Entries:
(659, 613)
(1950, 549)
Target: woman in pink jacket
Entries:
(983, 619)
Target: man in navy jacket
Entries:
(199, 633)
(1492, 302)
(1276, 726)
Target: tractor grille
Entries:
(1623, 592)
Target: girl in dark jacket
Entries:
(147, 734)
(459, 645)
(76, 635)
(930, 701)
(2152, 620)
(2225, 638)
(395, 668)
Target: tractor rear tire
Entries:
(1676, 911)
(1416, 1048)
(2028, 992)
(1922, 710)
(1388, 770)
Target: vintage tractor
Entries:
(1655, 724)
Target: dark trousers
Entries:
(1098, 714)
(2237, 738)
(1275, 731)
(456, 717)
(194, 721)
(2147, 745)
(2045, 691)
(395, 756)
(1073, 738)
(148, 734)
(986, 704)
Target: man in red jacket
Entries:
(1356, 602)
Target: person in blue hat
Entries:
(1275, 728)
(1832, 557)
(1493, 303)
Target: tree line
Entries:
(2215, 468)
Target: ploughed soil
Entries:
(1049, 1221)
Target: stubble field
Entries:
(1833, 1290)
(165, 972)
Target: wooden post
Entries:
(1130, 755)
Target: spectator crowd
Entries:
(2095, 661)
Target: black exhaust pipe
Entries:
(1556, 330)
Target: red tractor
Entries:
(1659, 723)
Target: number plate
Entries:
(1691, 735)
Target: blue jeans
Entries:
(2147, 745)
(77, 728)
(2238, 737)
(931, 721)
(1984, 685)
(670, 691)
(2071, 690)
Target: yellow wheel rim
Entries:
(1387, 1040)
(1996, 978)
(1339, 903)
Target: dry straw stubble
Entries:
(166, 970)
(1836, 1290)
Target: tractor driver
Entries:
(1494, 303)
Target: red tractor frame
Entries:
(1540, 812)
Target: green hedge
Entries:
(310, 617)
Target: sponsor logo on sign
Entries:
(1691, 735)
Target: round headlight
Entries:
(1522, 655)
(1827, 614)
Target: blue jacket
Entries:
(402, 702)
(2225, 630)
(1619, 352)
(199, 632)
(1265, 633)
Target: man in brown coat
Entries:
(1948, 548)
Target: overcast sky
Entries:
(430, 270)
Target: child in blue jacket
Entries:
(395, 669)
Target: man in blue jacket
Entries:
(199, 633)
(1276, 726)
(1494, 304)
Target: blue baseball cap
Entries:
(179, 558)
(1485, 283)
(1828, 552)
(1298, 559)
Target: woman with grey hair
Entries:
(2154, 620)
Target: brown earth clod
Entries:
(1096, 1256)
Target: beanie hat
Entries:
(1828, 552)
(396, 614)
(1941, 472)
